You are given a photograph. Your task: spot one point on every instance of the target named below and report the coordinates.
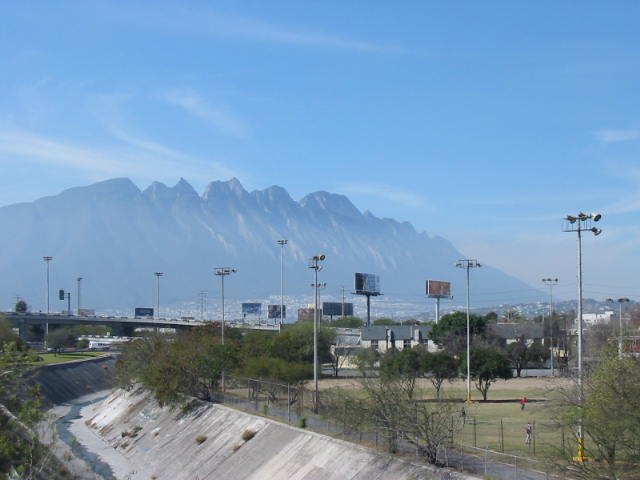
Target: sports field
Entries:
(499, 424)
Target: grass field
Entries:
(50, 358)
(499, 426)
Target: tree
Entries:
(8, 337)
(611, 417)
(21, 306)
(366, 360)
(60, 338)
(439, 366)
(277, 373)
(488, 364)
(404, 367)
(451, 331)
(517, 352)
(347, 322)
(385, 322)
(536, 353)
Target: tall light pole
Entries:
(315, 265)
(550, 282)
(580, 223)
(158, 275)
(468, 264)
(223, 272)
(47, 259)
(79, 280)
(620, 301)
(282, 243)
(203, 300)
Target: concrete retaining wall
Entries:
(61, 383)
(211, 441)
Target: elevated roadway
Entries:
(121, 325)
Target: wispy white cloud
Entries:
(389, 193)
(206, 22)
(614, 136)
(138, 158)
(217, 117)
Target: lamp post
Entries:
(203, 300)
(550, 282)
(223, 272)
(47, 259)
(315, 265)
(79, 280)
(468, 264)
(158, 275)
(580, 223)
(282, 243)
(620, 301)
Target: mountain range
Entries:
(116, 236)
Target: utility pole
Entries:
(315, 265)
(468, 264)
(47, 259)
(578, 224)
(79, 280)
(282, 243)
(550, 282)
(158, 275)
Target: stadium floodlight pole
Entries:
(315, 265)
(550, 282)
(47, 259)
(282, 243)
(468, 264)
(203, 299)
(620, 301)
(79, 280)
(223, 272)
(158, 275)
(580, 223)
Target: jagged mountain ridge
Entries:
(115, 236)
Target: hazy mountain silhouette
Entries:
(115, 236)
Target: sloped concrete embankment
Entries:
(213, 441)
(61, 383)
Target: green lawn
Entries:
(49, 358)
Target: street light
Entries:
(203, 300)
(79, 279)
(620, 301)
(315, 265)
(468, 264)
(580, 223)
(158, 275)
(47, 259)
(282, 243)
(550, 282)
(223, 272)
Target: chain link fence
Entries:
(489, 448)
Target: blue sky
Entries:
(483, 122)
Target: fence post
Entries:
(534, 438)
(501, 436)
(516, 468)
(475, 436)
(486, 453)
(563, 451)
(289, 403)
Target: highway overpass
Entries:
(122, 326)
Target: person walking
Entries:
(529, 431)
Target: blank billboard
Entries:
(274, 311)
(143, 312)
(437, 288)
(367, 283)
(335, 308)
(251, 308)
